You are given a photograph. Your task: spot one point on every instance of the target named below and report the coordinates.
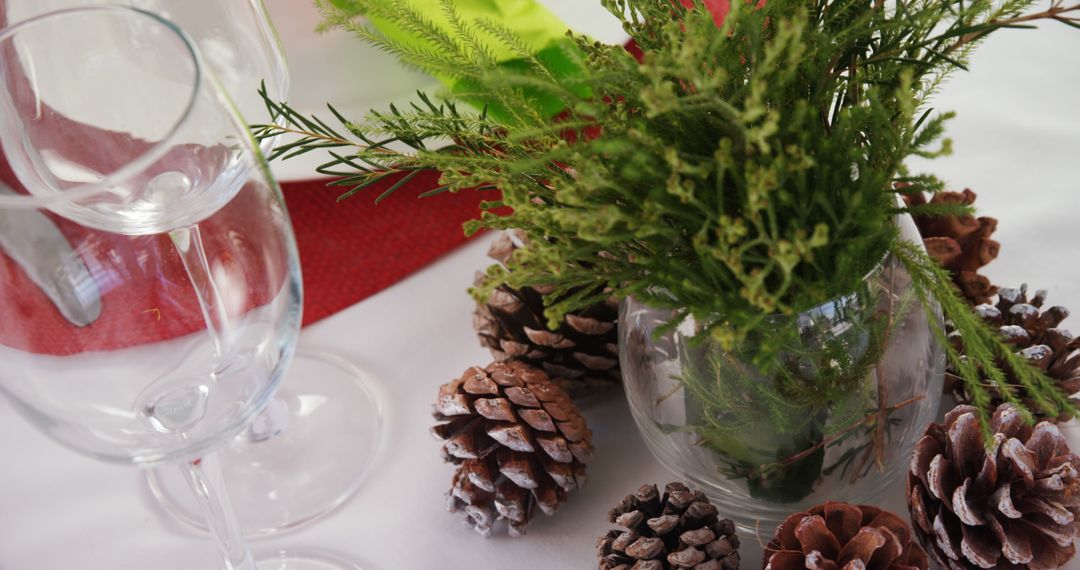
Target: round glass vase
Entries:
(823, 405)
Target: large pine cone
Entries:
(1014, 505)
(1034, 332)
(583, 352)
(518, 441)
(841, 536)
(679, 530)
(961, 244)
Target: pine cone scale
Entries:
(967, 513)
(537, 419)
(512, 436)
(645, 548)
(593, 362)
(964, 441)
(589, 326)
(556, 448)
(979, 546)
(868, 542)
(891, 549)
(786, 560)
(469, 442)
(1015, 546)
(814, 536)
(495, 409)
(943, 250)
(522, 397)
(451, 402)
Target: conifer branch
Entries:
(733, 175)
(986, 354)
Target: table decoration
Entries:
(835, 416)
(517, 440)
(582, 352)
(840, 535)
(679, 529)
(733, 178)
(603, 206)
(1010, 502)
(1035, 333)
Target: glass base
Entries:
(304, 456)
(288, 560)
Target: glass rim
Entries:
(151, 154)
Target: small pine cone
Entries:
(838, 535)
(681, 529)
(1033, 330)
(518, 441)
(583, 352)
(961, 244)
(1015, 504)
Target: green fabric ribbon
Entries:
(537, 27)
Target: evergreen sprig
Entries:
(736, 173)
(984, 351)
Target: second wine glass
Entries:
(133, 154)
(308, 451)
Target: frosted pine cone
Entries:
(842, 536)
(1013, 505)
(518, 440)
(1034, 331)
(582, 353)
(680, 529)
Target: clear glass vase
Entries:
(823, 405)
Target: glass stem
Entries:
(270, 422)
(204, 477)
(189, 244)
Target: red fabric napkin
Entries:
(349, 251)
(352, 249)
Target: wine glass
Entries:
(236, 38)
(133, 152)
(295, 462)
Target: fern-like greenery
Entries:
(734, 174)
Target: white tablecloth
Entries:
(1017, 144)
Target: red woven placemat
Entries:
(352, 249)
(348, 251)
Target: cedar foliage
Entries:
(739, 172)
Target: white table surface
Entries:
(1017, 144)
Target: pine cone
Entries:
(838, 535)
(518, 441)
(584, 350)
(679, 530)
(961, 244)
(1035, 333)
(1014, 505)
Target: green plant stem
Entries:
(875, 417)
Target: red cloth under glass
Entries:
(349, 251)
